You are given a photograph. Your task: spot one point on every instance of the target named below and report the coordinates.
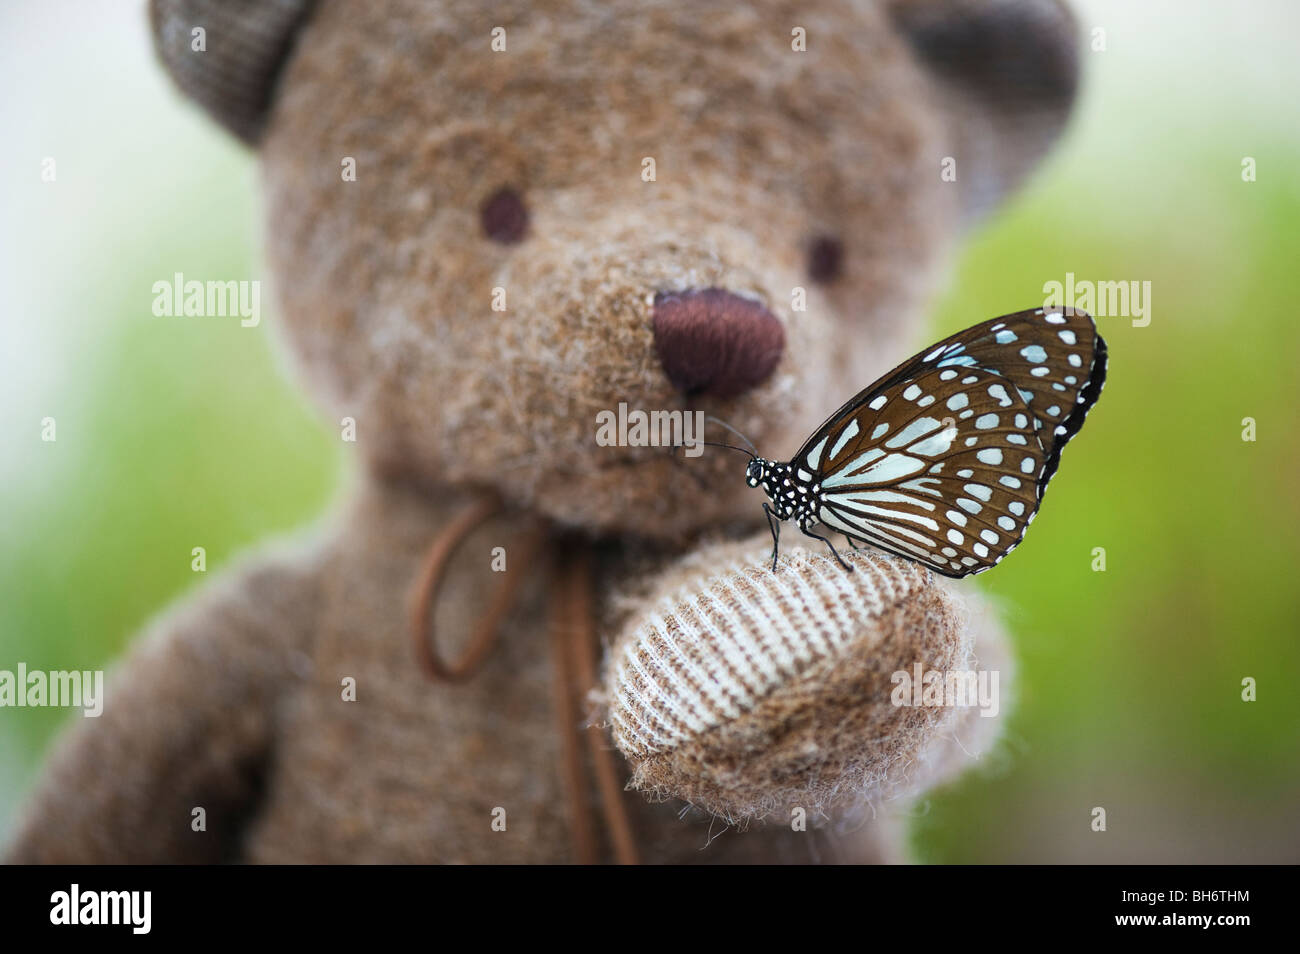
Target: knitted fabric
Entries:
(246, 43)
(747, 691)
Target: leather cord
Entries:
(573, 651)
(577, 594)
(582, 827)
(429, 585)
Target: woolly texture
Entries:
(709, 654)
(234, 703)
(386, 282)
(1007, 72)
(234, 77)
(746, 691)
(517, 179)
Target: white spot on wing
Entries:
(893, 513)
(879, 497)
(915, 429)
(846, 435)
(922, 484)
(935, 444)
(891, 468)
(815, 455)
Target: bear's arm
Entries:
(187, 723)
(750, 693)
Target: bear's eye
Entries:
(825, 259)
(504, 216)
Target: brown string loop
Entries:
(578, 595)
(573, 646)
(429, 584)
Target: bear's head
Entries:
(489, 223)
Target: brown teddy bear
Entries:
(488, 225)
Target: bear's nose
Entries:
(713, 342)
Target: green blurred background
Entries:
(181, 433)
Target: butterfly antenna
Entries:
(743, 450)
(673, 449)
(749, 448)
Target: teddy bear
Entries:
(510, 642)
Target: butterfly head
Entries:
(756, 471)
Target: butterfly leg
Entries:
(826, 541)
(854, 543)
(775, 526)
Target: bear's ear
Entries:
(230, 67)
(1005, 73)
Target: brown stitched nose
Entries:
(712, 342)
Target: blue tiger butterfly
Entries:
(945, 460)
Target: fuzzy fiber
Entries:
(753, 692)
(775, 170)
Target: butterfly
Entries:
(945, 459)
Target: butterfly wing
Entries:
(942, 469)
(1054, 357)
(945, 460)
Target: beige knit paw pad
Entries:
(746, 691)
